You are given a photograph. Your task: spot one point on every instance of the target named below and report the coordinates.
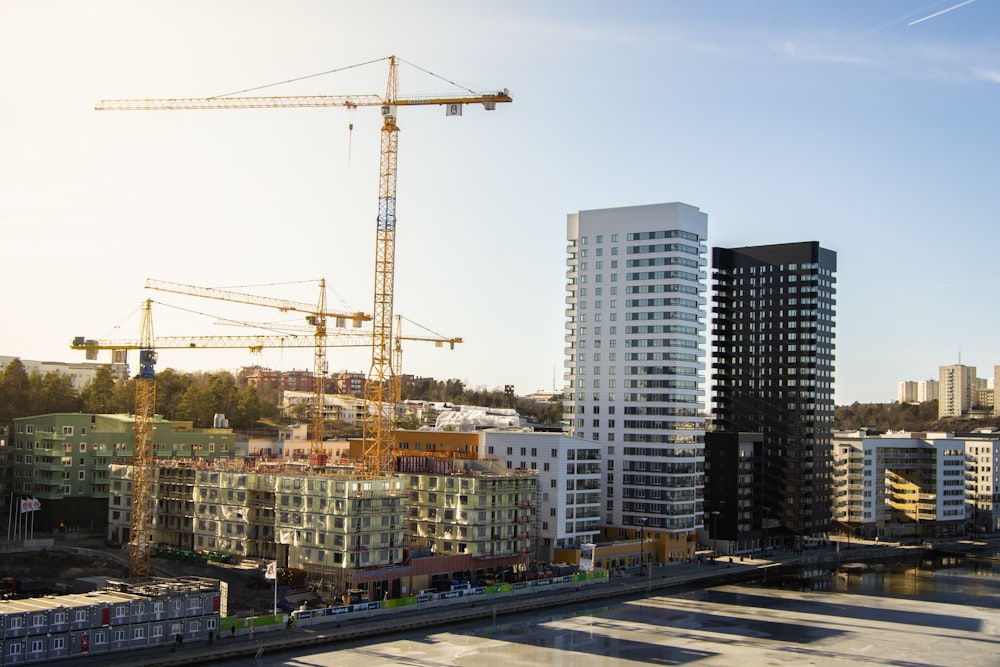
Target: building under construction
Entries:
(345, 531)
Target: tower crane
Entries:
(397, 356)
(316, 316)
(141, 523)
(380, 415)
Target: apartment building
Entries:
(956, 390)
(635, 339)
(569, 483)
(123, 616)
(342, 529)
(927, 390)
(774, 371)
(63, 459)
(899, 485)
(906, 392)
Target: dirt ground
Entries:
(42, 572)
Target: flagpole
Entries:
(275, 612)
(10, 516)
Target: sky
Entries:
(870, 127)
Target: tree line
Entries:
(920, 417)
(194, 397)
(199, 396)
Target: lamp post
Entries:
(767, 520)
(642, 524)
(715, 538)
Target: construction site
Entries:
(375, 525)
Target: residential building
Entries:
(733, 476)
(899, 484)
(634, 374)
(569, 483)
(124, 616)
(336, 407)
(906, 392)
(982, 480)
(344, 530)
(293, 380)
(774, 369)
(927, 390)
(63, 460)
(956, 390)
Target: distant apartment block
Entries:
(956, 390)
(908, 484)
(927, 390)
(907, 391)
(634, 372)
(78, 374)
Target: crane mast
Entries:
(141, 523)
(380, 410)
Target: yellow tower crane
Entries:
(316, 317)
(379, 413)
(397, 355)
(141, 523)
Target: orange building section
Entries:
(436, 444)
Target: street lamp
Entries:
(767, 520)
(715, 538)
(642, 524)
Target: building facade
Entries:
(774, 372)
(900, 485)
(569, 483)
(927, 390)
(956, 390)
(78, 374)
(906, 391)
(634, 354)
(63, 460)
(124, 616)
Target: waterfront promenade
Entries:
(656, 579)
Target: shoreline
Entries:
(660, 578)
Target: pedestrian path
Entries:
(657, 578)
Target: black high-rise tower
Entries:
(773, 326)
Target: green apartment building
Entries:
(63, 460)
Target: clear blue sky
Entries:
(850, 122)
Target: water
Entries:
(933, 611)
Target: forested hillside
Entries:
(199, 396)
(903, 417)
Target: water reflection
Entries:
(941, 579)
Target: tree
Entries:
(13, 393)
(99, 395)
(248, 408)
(52, 392)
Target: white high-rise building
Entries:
(635, 346)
